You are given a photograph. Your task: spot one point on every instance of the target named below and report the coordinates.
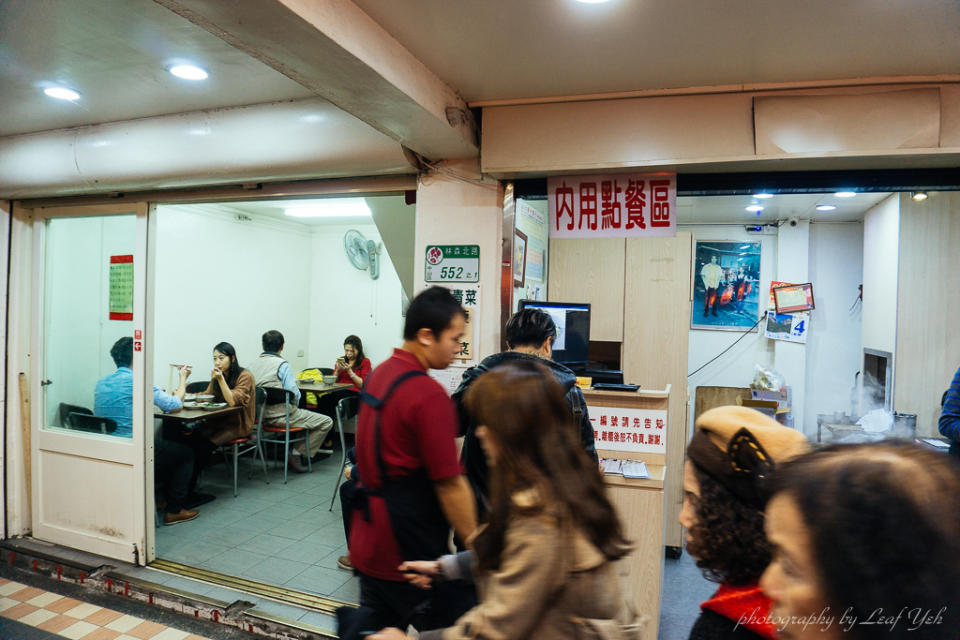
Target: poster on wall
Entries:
(613, 206)
(519, 258)
(790, 327)
(726, 285)
(533, 238)
(120, 305)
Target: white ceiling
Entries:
(731, 209)
(115, 53)
(501, 49)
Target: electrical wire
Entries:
(742, 336)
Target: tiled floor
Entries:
(69, 618)
(279, 534)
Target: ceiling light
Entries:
(844, 194)
(62, 93)
(330, 208)
(188, 72)
(762, 196)
(919, 196)
(592, 1)
(755, 208)
(826, 207)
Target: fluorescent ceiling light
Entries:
(919, 196)
(62, 93)
(845, 194)
(826, 207)
(330, 208)
(188, 72)
(592, 1)
(762, 196)
(755, 208)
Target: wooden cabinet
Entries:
(591, 271)
(656, 330)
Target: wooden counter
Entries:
(639, 501)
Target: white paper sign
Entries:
(613, 206)
(637, 430)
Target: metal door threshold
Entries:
(301, 599)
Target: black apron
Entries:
(416, 520)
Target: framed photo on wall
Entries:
(519, 258)
(726, 285)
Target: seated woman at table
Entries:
(234, 385)
(230, 383)
(353, 367)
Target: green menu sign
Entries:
(121, 287)
(452, 263)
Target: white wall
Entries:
(453, 211)
(220, 279)
(881, 248)
(736, 367)
(833, 339)
(820, 373)
(344, 300)
(76, 294)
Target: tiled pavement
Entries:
(24, 608)
(283, 535)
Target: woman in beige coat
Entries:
(544, 561)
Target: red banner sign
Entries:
(613, 206)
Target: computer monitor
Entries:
(572, 345)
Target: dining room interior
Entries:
(316, 270)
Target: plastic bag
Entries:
(767, 379)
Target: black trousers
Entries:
(327, 403)
(398, 604)
(201, 447)
(173, 468)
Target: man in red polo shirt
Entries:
(412, 489)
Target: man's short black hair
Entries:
(272, 341)
(122, 352)
(529, 328)
(432, 309)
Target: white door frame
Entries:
(89, 491)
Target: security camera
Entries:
(793, 222)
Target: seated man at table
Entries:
(271, 371)
(173, 466)
(113, 395)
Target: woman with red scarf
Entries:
(732, 452)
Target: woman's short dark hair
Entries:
(431, 309)
(727, 539)
(525, 409)
(272, 341)
(354, 342)
(529, 328)
(233, 372)
(122, 352)
(884, 521)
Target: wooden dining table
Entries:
(193, 414)
(322, 387)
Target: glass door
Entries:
(88, 422)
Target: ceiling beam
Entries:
(336, 50)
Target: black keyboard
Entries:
(608, 386)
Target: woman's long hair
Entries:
(354, 342)
(232, 373)
(538, 448)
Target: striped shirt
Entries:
(950, 415)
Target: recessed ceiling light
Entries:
(754, 208)
(188, 72)
(762, 196)
(62, 93)
(918, 196)
(330, 208)
(845, 194)
(826, 207)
